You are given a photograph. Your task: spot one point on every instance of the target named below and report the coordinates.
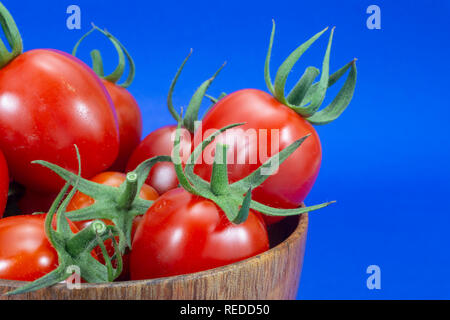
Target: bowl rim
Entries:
(299, 232)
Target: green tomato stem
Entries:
(170, 105)
(12, 34)
(192, 110)
(97, 61)
(235, 199)
(78, 243)
(127, 197)
(307, 97)
(219, 175)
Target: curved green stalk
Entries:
(97, 61)
(191, 114)
(75, 249)
(12, 34)
(234, 199)
(170, 105)
(306, 97)
(119, 205)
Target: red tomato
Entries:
(80, 200)
(49, 101)
(4, 183)
(262, 113)
(130, 123)
(162, 177)
(182, 233)
(25, 252)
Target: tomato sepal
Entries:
(75, 249)
(119, 205)
(191, 112)
(97, 61)
(13, 36)
(193, 108)
(235, 199)
(306, 97)
(339, 103)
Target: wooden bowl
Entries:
(274, 274)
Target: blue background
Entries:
(385, 160)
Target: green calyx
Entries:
(234, 199)
(191, 112)
(12, 34)
(307, 96)
(97, 61)
(75, 249)
(119, 205)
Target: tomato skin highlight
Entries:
(49, 101)
(129, 118)
(182, 233)
(4, 183)
(259, 110)
(25, 252)
(162, 176)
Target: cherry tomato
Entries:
(130, 123)
(80, 200)
(262, 113)
(4, 183)
(162, 177)
(49, 101)
(182, 233)
(25, 252)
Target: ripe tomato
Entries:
(182, 233)
(49, 101)
(4, 183)
(25, 252)
(80, 200)
(130, 123)
(262, 113)
(162, 177)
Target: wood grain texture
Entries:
(274, 274)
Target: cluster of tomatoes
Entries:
(185, 217)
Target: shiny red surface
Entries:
(182, 233)
(80, 200)
(50, 101)
(129, 118)
(260, 111)
(25, 252)
(162, 177)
